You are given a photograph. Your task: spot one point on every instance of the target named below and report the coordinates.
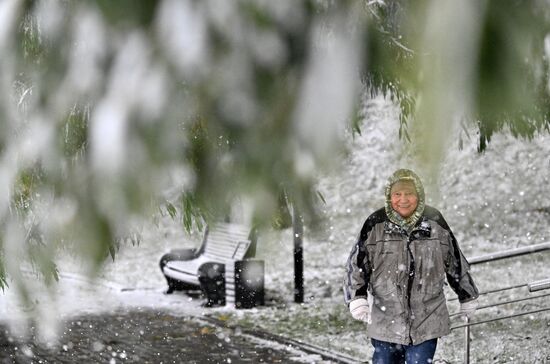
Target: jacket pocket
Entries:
(386, 261)
(432, 267)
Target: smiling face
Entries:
(404, 198)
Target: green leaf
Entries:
(321, 197)
(171, 210)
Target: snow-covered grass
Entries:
(493, 201)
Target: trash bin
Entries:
(244, 283)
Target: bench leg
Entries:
(175, 285)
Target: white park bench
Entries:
(212, 267)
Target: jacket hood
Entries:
(409, 222)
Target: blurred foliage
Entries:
(3, 276)
(25, 185)
(283, 217)
(110, 109)
(190, 212)
(74, 138)
(510, 89)
(128, 13)
(32, 46)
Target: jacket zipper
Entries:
(410, 285)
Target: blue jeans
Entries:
(388, 353)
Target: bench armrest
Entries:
(178, 254)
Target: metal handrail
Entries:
(487, 258)
(539, 285)
(469, 324)
(505, 303)
(533, 286)
(512, 253)
(495, 290)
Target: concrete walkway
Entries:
(149, 337)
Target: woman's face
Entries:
(403, 198)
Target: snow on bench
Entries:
(223, 243)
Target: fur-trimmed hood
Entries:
(409, 222)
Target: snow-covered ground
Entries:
(493, 201)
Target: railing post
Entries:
(298, 227)
(467, 342)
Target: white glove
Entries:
(467, 309)
(360, 310)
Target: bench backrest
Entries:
(227, 242)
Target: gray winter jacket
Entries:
(404, 269)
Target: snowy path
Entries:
(147, 336)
